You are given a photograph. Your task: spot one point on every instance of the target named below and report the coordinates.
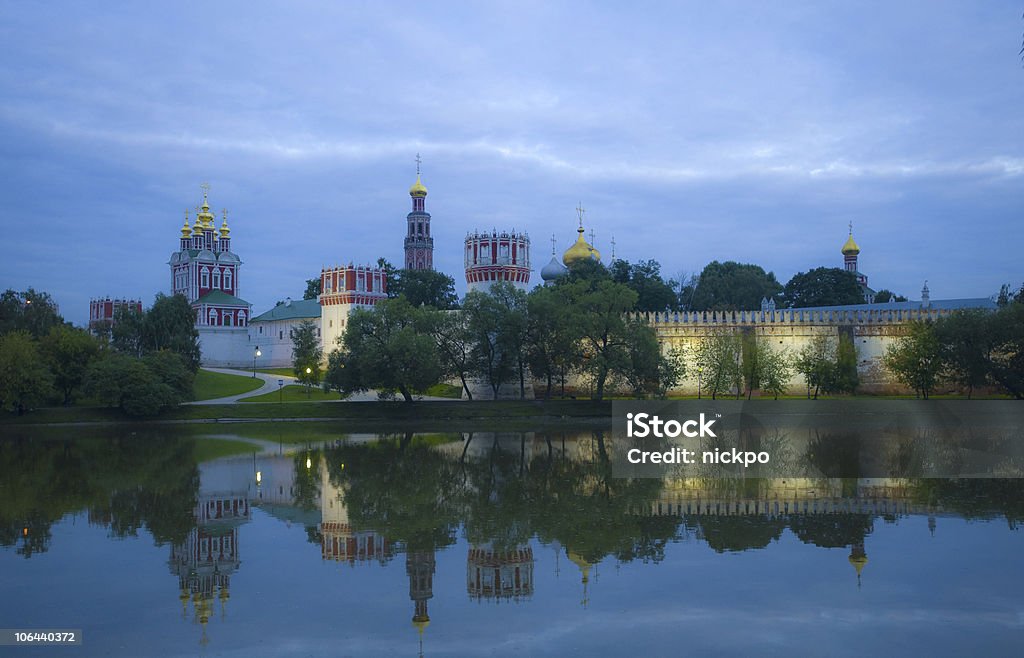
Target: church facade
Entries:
(205, 271)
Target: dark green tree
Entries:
(24, 378)
(717, 358)
(306, 353)
(424, 288)
(884, 295)
(732, 286)
(313, 289)
(845, 378)
(385, 349)
(966, 347)
(454, 341)
(30, 311)
(604, 330)
(497, 323)
(1005, 330)
(170, 325)
(644, 278)
(823, 286)
(552, 334)
(817, 363)
(68, 352)
(122, 381)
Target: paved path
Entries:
(269, 385)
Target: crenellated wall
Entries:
(791, 330)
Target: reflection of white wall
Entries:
(236, 476)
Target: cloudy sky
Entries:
(690, 132)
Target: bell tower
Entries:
(419, 245)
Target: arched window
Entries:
(213, 317)
(227, 279)
(204, 278)
(216, 278)
(241, 318)
(227, 318)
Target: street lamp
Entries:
(309, 371)
(700, 369)
(256, 354)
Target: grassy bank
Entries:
(213, 385)
(295, 393)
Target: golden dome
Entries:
(418, 188)
(850, 248)
(186, 230)
(858, 562)
(197, 229)
(580, 250)
(224, 230)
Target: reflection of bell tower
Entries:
(496, 574)
(584, 566)
(419, 565)
(858, 558)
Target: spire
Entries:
(552, 239)
(418, 189)
(186, 230)
(613, 248)
(224, 230)
(925, 296)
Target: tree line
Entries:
(141, 363)
(965, 350)
(503, 337)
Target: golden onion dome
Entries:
(224, 230)
(858, 562)
(580, 250)
(850, 248)
(186, 230)
(418, 188)
(197, 228)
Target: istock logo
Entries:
(642, 425)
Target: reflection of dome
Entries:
(858, 558)
(580, 250)
(582, 563)
(418, 188)
(552, 270)
(850, 248)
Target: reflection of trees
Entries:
(130, 481)
(974, 498)
(831, 530)
(400, 487)
(736, 533)
(834, 455)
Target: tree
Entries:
(648, 371)
(718, 362)
(127, 383)
(844, 377)
(313, 288)
(30, 311)
(816, 362)
(916, 358)
(776, 368)
(823, 286)
(552, 334)
(644, 278)
(385, 349)
(424, 288)
(306, 353)
(128, 330)
(966, 347)
(171, 369)
(170, 325)
(454, 342)
(68, 352)
(497, 323)
(24, 378)
(603, 329)
(732, 286)
(885, 295)
(1005, 362)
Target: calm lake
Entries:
(285, 539)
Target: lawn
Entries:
(212, 385)
(444, 391)
(294, 393)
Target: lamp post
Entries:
(700, 369)
(309, 371)
(255, 354)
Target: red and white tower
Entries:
(419, 245)
(346, 288)
(492, 257)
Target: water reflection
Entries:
(363, 500)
